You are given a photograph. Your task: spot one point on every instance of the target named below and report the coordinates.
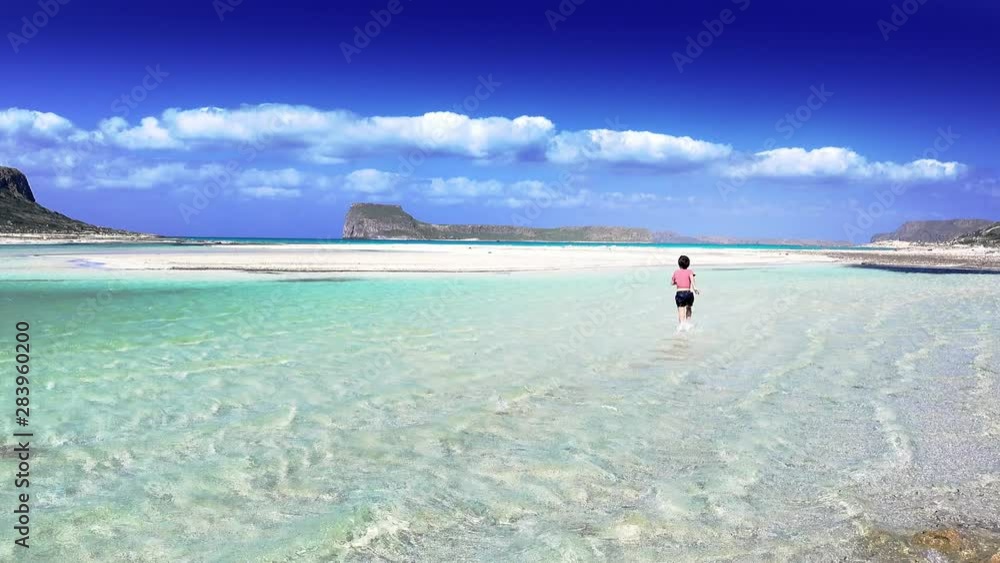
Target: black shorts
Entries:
(684, 298)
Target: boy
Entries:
(684, 280)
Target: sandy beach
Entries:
(478, 258)
(914, 255)
(406, 258)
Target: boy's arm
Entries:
(693, 288)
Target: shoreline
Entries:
(403, 258)
(165, 254)
(899, 256)
(71, 238)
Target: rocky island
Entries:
(23, 219)
(383, 221)
(380, 221)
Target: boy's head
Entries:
(684, 262)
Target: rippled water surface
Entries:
(508, 417)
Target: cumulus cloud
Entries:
(120, 175)
(286, 177)
(371, 181)
(521, 194)
(533, 193)
(456, 134)
(637, 147)
(124, 173)
(148, 135)
(171, 149)
(837, 162)
(460, 189)
(270, 192)
(31, 124)
(336, 136)
(984, 186)
(331, 136)
(381, 185)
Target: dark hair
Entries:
(684, 262)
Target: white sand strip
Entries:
(417, 258)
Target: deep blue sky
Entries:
(609, 65)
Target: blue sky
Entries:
(229, 118)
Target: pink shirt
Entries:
(682, 279)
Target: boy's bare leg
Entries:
(688, 312)
(680, 315)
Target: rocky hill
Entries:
(379, 221)
(987, 236)
(933, 231)
(20, 214)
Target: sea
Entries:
(499, 417)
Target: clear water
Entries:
(505, 417)
(284, 241)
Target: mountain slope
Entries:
(379, 221)
(20, 214)
(933, 231)
(987, 236)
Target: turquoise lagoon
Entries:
(522, 417)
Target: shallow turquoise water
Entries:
(554, 417)
(273, 241)
(131, 246)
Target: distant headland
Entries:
(944, 231)
(23, 217)
(376, 221)
(380, 221)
